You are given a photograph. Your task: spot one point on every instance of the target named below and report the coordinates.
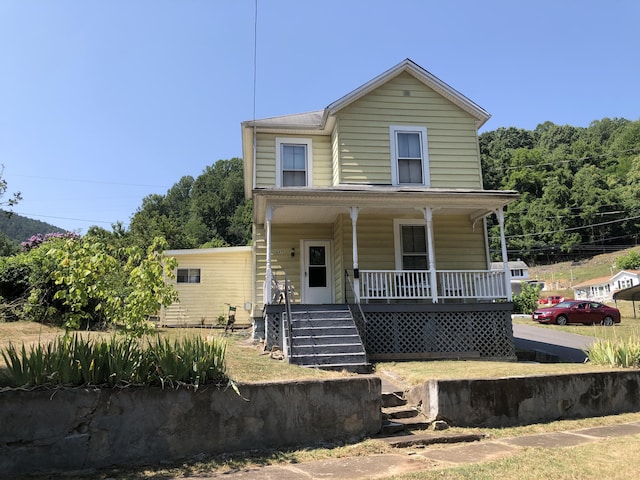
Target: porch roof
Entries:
(323, 204)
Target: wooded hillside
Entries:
(580, 188)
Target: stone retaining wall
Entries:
(77, 429)
(512, 401)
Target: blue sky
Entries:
(105, 102)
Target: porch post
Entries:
(433, 276)
(267, 277)
(505, 259)
(353, 212)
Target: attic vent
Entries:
(406, 93)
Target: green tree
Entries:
(76, 282)
(93, 283)
(217, 194)
(630, 261)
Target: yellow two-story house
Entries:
(377, 202)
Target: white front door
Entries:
(317, 272)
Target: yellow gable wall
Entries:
(364, 135)
(225, 277)
(266, 159)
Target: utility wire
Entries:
(91, 181)
(590, 157)
(570, 229)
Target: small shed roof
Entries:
(631, 293)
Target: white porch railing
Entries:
(416, 284)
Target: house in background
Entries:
(370, 239)
(518, 269)
(602, 289)
(519, 272)
(208, 282)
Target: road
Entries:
(568, 347)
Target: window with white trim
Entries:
(293, 162)
(409, 159)
(412, 252)
(188, 275)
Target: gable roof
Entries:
(593, 281)
(605, 280)
(632, 273)
(323, 121)
(513, 264)
(420, 74)
(320, 119)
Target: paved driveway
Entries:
(568, 347)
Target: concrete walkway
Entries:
(416, 459)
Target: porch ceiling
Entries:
(323, 205)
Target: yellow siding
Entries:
(338, 252)
(283, 239)
(375, 242)
(364, 151)
(266, 159)
(458, 246)
(225, 277)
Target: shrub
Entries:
(76, 282)
(527, 301)
(37, 240)
(115, 362)
(620, 353)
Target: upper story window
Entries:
(188, 275)
(293, 162)
(409, 159)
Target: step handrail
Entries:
(287, 306)
(361, 321)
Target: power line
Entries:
(570, 229)
(62, 218)
(91, 181)
(590, 157)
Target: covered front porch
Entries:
(411, 264)
(394, 244)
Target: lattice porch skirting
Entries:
(426, 331)
(416, 331)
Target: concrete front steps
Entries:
(404, 425)
(326, 336)
(398, 417)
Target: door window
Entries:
(317, 266)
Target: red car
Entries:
(578, 311)
(552, 300)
